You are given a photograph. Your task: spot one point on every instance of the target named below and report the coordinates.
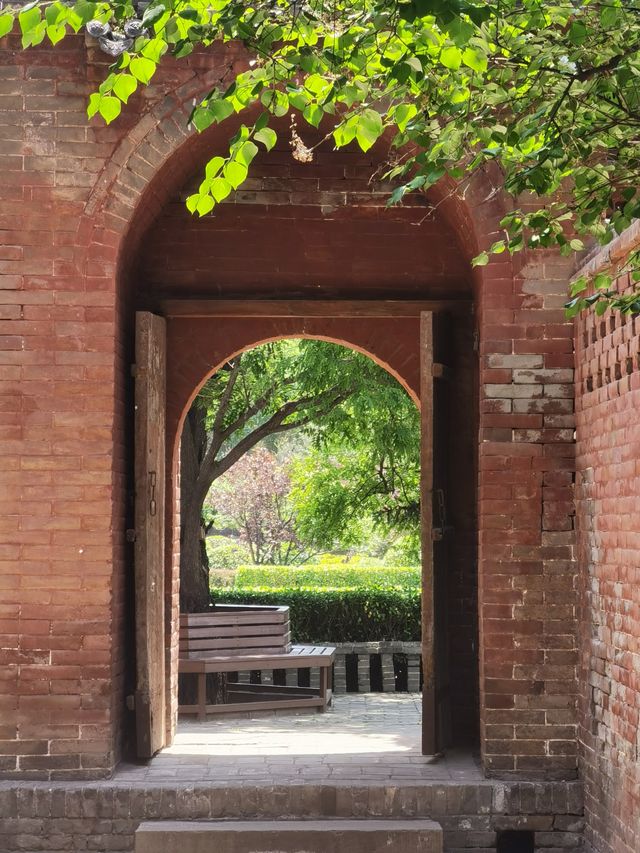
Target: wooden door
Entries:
(435, 375)
(150, 403)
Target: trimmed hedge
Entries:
(338, 615)
(333, 575)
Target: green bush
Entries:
(335, 575)
(225, 553)
(328, 615)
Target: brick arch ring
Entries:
(158, 154)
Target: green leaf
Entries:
(345, 133)
(480, 260)
(109, 108)
(6, 24)
(403, 114)
(220, 109)
(474, 59)
(205, 205)
(267, 137)
(94, 104)
(124, 86)
(313, 114)
(213, 167)
(192, 202)
(246, 153)
(414, 63)
(451, 58)
(142, 69)
(577, 32)
(235, 173)
(153, 14)
(29, 19)
(602, 281)
(202, 119)
(369, 129)
(220, 189)
(576, 245)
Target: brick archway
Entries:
(520, 327)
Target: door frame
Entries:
(316, 309)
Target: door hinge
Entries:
(130, 534)
(476, 341)
(130, 702)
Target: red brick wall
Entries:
(608, 508)
(82, 198)
(528, 651)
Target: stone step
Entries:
(289, 836)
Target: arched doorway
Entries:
(401, 337)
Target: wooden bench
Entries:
(239, 638)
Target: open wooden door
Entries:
(435, 375)
(150, 402)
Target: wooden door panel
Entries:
(150, 405)
(435, 374)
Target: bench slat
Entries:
(203, 631)
(216, 643)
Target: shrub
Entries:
(226, 553)
(328, 615)
(335, 575)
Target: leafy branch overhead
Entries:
(550, 91)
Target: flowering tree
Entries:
(253, 498)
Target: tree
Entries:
(254, 497)
(548, 91)
(332, 391)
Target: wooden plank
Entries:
(268, 689)
(240, 643)
(233, 663)
(150, 405)
(192, 620)
(426, 520)
(343, 308)
(202, 632)
(265, 705)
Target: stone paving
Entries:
(363, 738)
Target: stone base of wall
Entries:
(104, 816)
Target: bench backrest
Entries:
(235, 630)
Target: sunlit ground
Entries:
(363, 737)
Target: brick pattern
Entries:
(105, 817)
(82, 200)
(527, 575)
(608, 509)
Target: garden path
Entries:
(363, 738)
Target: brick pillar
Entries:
(526, 569)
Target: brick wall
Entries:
(82, 200)
(608, 509)
(527, 577)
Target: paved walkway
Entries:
(363, 738)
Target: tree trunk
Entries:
(194, 566)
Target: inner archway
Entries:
(305, 447)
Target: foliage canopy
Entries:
(548, 90)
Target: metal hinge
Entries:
(130, 702)
(130, 534)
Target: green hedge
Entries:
(333, 575)
(339, 615)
